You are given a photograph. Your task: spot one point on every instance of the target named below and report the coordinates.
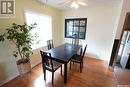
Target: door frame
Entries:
(118, 47)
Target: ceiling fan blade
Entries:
(65, 2)
(82, 3)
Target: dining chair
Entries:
(75, 41)
(78, 58)
(49, 64)
(50, 44)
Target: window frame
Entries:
(74, 26)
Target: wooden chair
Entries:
(75, 39)
(78, 58)
(49, 64)
(50, 44)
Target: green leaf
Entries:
(15, 55)
(2, 37)
(20, 35)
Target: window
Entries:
(75, 28)
(43, 28)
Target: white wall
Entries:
(99, 34)
(100, 28)
(8, 68)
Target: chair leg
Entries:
(52, 77)
(61, 70)
(82, 64)
(44, 74)
(70, 65)
(80, 67)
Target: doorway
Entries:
(122, 63)
(124, 49)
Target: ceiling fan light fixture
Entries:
(74, 5)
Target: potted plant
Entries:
(21, 37)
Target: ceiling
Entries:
(91, 3)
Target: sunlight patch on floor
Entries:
(40, 82)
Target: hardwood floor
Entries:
(95, 74)
(122, 75)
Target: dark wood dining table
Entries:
(63, 54)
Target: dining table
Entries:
(63, 54)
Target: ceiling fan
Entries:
(74, 3)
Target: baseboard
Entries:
(91, 56)
(32, 65)
(16, 75)
(8, 79)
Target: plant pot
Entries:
(24, 66)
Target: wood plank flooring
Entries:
(95, 74)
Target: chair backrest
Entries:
(84, 51)
(50, 44)
(81, 50)
(46, 60)
(75, 39)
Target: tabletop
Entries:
(64, 52)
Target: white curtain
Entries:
(43, 28)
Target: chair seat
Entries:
(76, 58)
(56, 65)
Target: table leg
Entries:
(65, 73)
